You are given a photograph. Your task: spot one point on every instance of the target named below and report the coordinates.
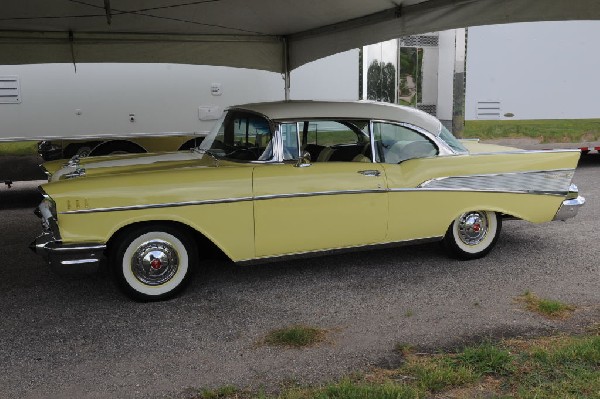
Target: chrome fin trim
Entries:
(546, 182)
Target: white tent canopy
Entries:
(273, 35)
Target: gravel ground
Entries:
(79, 337)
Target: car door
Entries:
(408, 155)
(337, 200)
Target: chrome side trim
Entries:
(302, 195)
(152, 206)
(318, 193)
(337, 251)
(530, 181)
(468, 190)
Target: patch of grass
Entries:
(437, 373)
(409, 313)
(547, 131)
(547, 367)
(226, 392)
(347, 389)
(546, 307)
(19, 148)
(487, 359)
(295, 336)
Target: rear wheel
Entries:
(153, 262)
(473, 234)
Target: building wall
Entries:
(542, 70)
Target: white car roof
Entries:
(294, 110)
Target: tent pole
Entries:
(286, 69)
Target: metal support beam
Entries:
(286, 68)
(108, 11)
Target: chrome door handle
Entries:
(369, 172)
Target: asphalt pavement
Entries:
(78, 336)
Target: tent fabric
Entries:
(273, 35)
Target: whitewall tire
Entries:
(153, 262)
(473, 234)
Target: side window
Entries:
(336, 141)
(244, 136)
(397, 143)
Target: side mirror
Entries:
(304, 160)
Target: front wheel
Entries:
(153, 262)
(473, 234)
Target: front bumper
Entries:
(68, 258)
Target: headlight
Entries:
(48, 208)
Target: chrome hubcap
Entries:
(472, 227)
(155, 262)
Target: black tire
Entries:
(153, 262)
(473, 234)
(116, 147)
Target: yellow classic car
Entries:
(363, 173)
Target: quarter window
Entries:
(396, 143)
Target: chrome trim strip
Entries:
(152, 206)
(301, 195)
(337, 251)
(519, 151)
(469, 190)
(319, 193)
(527, 181)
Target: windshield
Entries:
(240, 135)
(452, 141)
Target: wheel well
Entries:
(107, 147)
(192, 143)
(206, 248)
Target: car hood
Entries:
(129, 163)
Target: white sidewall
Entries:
(487, 240)
(170, 285)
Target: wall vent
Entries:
(10, 90)
(488, 110)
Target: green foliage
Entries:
(487, 359)
(381, 82)
(569, 368)
(546, 307)
(439, 373)
(19, 148)
(295, 336)
(547, 131)
(347, 389)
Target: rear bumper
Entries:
(569, 208)
(68, 258)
